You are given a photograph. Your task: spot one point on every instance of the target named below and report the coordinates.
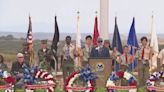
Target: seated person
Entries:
(18, 65)
(3, 66)
(100, 51)
(16, 69)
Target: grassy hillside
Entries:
(10, 46)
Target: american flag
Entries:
(29, 35)
(30, 42)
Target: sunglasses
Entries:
(99, 41)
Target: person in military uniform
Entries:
(87, 50)
(67, 58)
(43, 55)
(143, 58)
(26, 52)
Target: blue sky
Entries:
(14, 15)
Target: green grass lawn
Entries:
(97, 90)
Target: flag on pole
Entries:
(154, 46)
(78, 34)
(96, 32)
(29, 41)
(78, 44)
(133, 44)
(116, 43)
(54, 46)
(29, 34)
(116, 38)
(56, 36)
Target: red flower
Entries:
(120, 74)
(10, 80)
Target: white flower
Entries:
(5, 74)
(89, 84)
(127, 75)
(152, 83)
(110, 83)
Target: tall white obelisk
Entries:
(104, 14)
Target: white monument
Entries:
(104, 29)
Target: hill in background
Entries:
(11, 43)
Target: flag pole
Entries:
(78, 43)
(150, 42)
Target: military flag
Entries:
(116, 43)
(133, 44)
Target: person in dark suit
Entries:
(100, 51)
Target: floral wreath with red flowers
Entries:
(9, 87)
(151, 85)
(132, 83)
(31, 76)
(86, 75)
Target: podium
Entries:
(103, 68)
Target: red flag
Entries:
(96, 32)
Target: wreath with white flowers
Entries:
(30, 79)
(132, 83)
(86, 75)
(9, 87)
(151, 82)
(43, 75)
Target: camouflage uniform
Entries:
(44, 55)
(26, 55)
(25, 52)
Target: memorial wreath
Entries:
(132, 83)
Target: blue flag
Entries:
(117, 43)
(133, 44)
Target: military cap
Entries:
(44, 41)
(106, 41)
